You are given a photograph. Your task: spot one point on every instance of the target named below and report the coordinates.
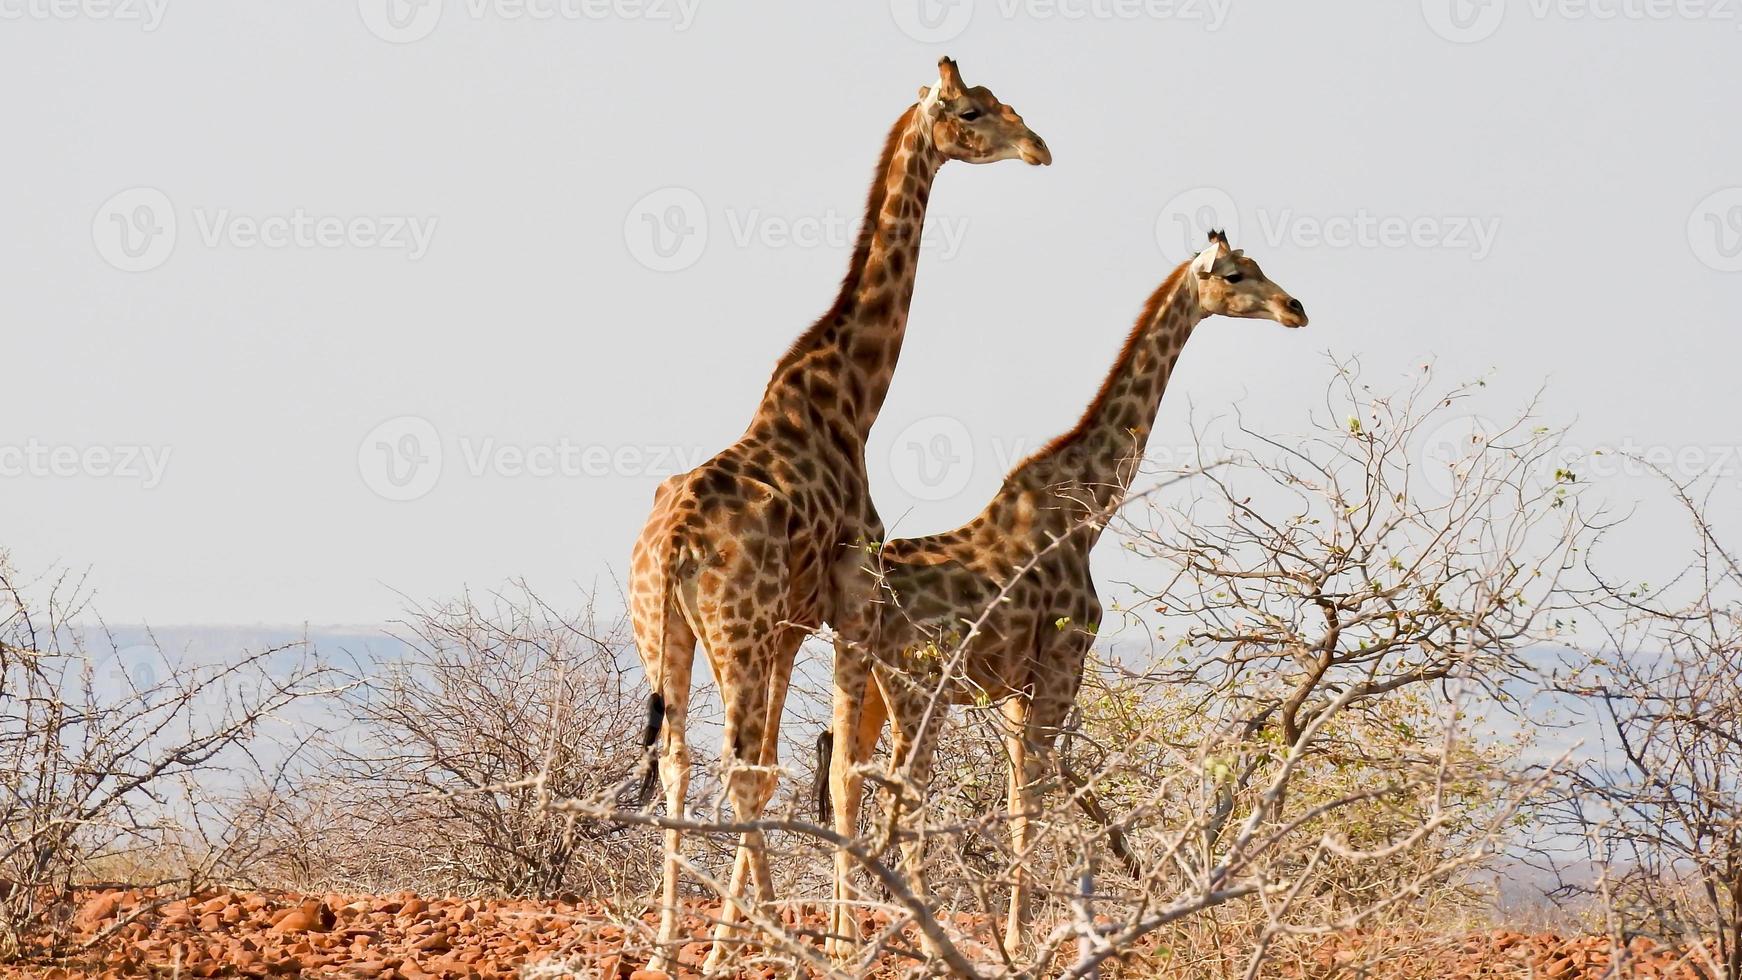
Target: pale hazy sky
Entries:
(262, 258)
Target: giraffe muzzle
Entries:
(1294, 314)
(1035, 151)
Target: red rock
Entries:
(296, 921)
(412, 909)
(97, 911)
(435, 943)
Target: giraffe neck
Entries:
(843, 364)
(1089, 469)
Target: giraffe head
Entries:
(1230, 284)
(971, 125)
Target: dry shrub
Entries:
(1661, 814)
(446, 754)
(116, 759)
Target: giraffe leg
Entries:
(1024, 773)
(753, 676)
(857, 721)
(674, 774)
(914, 740)
(668, 646)
(1033, 727)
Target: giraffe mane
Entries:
(1151, 309)
(844, 300)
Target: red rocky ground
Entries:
(119, 933)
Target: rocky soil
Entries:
(121, 933)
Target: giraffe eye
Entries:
(969, 115)
(1234, 277)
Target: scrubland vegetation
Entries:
(1310, 744)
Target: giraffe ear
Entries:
(1205, 263)
(930, 97)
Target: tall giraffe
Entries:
(1011, 589)
(750, 551)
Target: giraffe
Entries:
(750, 551)
(1011, 589)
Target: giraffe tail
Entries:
(657, 701)
(825, 752)
(650, 754)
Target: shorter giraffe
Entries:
(1007, 600)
